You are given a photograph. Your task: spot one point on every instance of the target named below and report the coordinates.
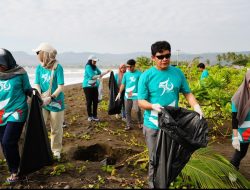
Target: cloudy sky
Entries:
(124, 26)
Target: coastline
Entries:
(71, 75)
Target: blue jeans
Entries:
(9, 137)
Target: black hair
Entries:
(7, 59)
(90, 63)
(201, 65)
(131, 62)
(160, 46)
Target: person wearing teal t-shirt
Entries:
(14, 88)
(90, 84)
(49, 81)
(130, 85)
(118, 78)
(160, 86)
(241, 121)
(204, 71)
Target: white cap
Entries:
(44, 47)
(93, 57)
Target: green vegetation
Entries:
(60, 168)
(214, 94)
(207, 169)
(2, 161)
(234, 58)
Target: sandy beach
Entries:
(88, 146)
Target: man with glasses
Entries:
(160, 86)
(130, 84)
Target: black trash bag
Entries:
(181, 133)
(36, 150)
(114, 106)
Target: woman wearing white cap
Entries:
(90, 86)
(49, 81)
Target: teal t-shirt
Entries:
(88, 74)
(42, 78)
(13, 101)
(116, 78)
(161, 87)
(204, 74)
(130, 81)
(244, 128)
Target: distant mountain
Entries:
(72, 59)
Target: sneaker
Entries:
(127, 128)
(95, 119)
(64, 124)
(124, 119)
(117, 116)
(57, 155)
(140, 126)
(13, 178)
(90, 119)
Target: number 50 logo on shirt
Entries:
(166, 86)
(4, 85)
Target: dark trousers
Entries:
(91, 95)
(123, 111)
(239, 155)
(9, 137)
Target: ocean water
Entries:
(71, 75)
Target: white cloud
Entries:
(125, 26)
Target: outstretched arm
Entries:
(193, 103)
(120, 91)
(104, 73)
(191, 99)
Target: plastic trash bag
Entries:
(181, 133)
(36, 151)
(100, 90)
(114, 106)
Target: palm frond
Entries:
(207, 169)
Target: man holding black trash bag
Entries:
(130, 85)
(160, 86)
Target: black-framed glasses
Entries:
(37, 52)
(161, 57)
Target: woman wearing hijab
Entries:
(14, 88)
(118, 77)
(90, 86)
(241, 121)
(49, 81)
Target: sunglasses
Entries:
(161, 57)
